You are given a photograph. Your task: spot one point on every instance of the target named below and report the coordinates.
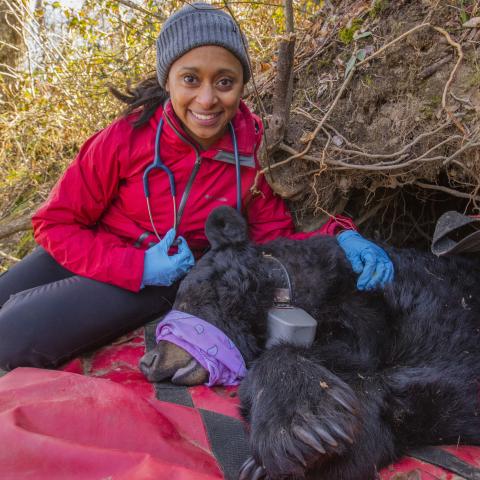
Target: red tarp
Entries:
(99, 419)
(59, 425)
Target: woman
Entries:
(108, 260)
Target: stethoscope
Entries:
(157, 163)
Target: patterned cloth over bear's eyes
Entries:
(207, 344)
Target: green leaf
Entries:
(361, 54)
(350, 65)
(361, 35)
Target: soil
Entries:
(389, 102)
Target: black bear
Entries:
(389, 370)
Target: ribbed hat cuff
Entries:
(197, 28)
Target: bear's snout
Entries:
(168, 361)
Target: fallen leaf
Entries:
(307, 137)
(472, 23)
(358, 36)
(350, 65)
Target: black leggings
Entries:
(49, 315)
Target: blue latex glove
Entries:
(368, 259)
(160, 268)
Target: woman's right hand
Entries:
(162, 269)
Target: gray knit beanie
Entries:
(193, 26)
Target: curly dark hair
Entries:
(147, 95)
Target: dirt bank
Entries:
(400, 144)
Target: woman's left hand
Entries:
(367, 259)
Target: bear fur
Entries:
(390, 369)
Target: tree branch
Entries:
(19, 224)
(134, 6)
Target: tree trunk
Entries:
(282, 97)
(11, 38)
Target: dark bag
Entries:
(456, 233)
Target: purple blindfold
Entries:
(207, 344)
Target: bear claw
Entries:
(341, 433)
(308, 439)
(295, 452)
(347, 403)
(250, 470)
(325, 436)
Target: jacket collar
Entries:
(243, 123)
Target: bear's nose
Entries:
(148, 361)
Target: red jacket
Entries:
(93, 219)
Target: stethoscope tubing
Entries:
(158, 163)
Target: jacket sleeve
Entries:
(66, 224)
(269, 218)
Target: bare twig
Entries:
(398, 153)
(342, 164)
(431, 69)
(455, 68)
(138, 8)
(9, 257)
(373, 211)
(393, 42)
(450, 191)
(16, 225)
(467, 146)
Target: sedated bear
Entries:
(389, 370)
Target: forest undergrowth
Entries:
(384, 121)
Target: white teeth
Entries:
(204, 117)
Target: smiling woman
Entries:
(108, 259)
(205, 87)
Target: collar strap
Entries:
(207, 344)
(278, 273)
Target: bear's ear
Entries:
(225, 227)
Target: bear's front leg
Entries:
(300, 414)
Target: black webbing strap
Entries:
(446, 460)
(166, 392)
(228, 441)
(150, 340)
